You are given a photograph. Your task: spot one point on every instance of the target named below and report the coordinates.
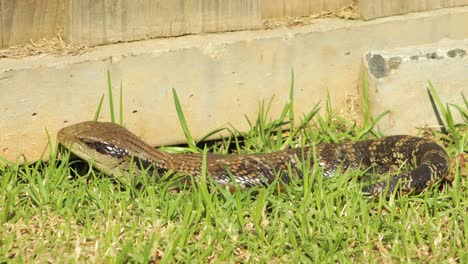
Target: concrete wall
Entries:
(218, 77)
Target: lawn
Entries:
(59, 211)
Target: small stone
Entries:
(394, 62)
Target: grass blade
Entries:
(291, 100)
(121, 105)
(98, 110)
(183, 121)
(212, 133)
(111, 98)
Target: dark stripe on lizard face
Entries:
(106, 148)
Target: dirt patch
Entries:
(352, 109)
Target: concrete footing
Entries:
(399, 80)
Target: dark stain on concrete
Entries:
(433, 56)
(456, 53)
(377, 65)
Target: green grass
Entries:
(50, 213)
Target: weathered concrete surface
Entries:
(398, 82)
(218, 77)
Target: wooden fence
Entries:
(93, 22)
(295, 8)
(25, 20)
(370, 9)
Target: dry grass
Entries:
(54, 46)
(349, 12)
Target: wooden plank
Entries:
(272, 8)
(317, 6)
(295, 8)
(105, 21)
(370, 9)
(24, 20)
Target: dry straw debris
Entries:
(349, 12)
(54, 46)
